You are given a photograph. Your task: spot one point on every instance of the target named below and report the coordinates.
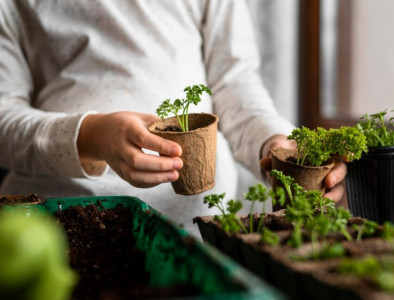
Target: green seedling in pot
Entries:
(367, 228)
(310, 211)
(33, 258)
(388, 231)
(193, 96)
(290, 186)
(228, 218)
(378, 132)
(317, 146)
(257, 193)
(326, 251)
(269, 237)
(232, 223)
(378, 272)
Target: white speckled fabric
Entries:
(60, 60)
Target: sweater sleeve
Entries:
(33, 142)
(247, 114)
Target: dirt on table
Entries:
(19, 199)
(102, 251)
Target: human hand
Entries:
(334, 181)
(118, 139)
(275, 141)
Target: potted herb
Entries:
(304, 248)
(314, 157)
(370, 180)
(196, 134)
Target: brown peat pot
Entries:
(198, 151)
(310, 178)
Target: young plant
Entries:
(269, 237)
(257, 193)
(326, 251)
(367, 228)
(193, 96)
(378, 132)
(288, 182)
(228, 218)
(388, 231)
(317, 146)
(311, 211)
(379, 273)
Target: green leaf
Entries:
(269, 237)
(193, 96)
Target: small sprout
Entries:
(269, 237)
(379, 273)
(287, 181)
(193, 96)
(388, 231)
(340, 218)
(368, 228)
(228, 218)
(326, 251)
(215, 200)
(377, 131)
(278, 196)
(255, 193)
(234, 206)
(332, 251)
(296, 239)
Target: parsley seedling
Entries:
(193, 96)
(317, 146)
(255, 193)
(378, 132)
(228, 218)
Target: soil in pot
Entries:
(198, 151)
(101, 250)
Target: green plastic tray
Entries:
(173, 256)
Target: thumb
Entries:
(266, 164)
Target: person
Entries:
(80, 82)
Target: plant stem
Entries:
(181, 123)
(251, 217)
(261, 218)
(186, 114)
(242, 226)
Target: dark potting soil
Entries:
(101, 250)
(170, 128)
(306, 162)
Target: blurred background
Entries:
(324, 62)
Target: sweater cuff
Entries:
(61, 147)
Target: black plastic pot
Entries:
(370, 185)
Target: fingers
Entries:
(144, 139)
(144, 179)
(140, 161)
(337, 193)
(266, 164)
(335, 182)
(275, 142)
(336, 175)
